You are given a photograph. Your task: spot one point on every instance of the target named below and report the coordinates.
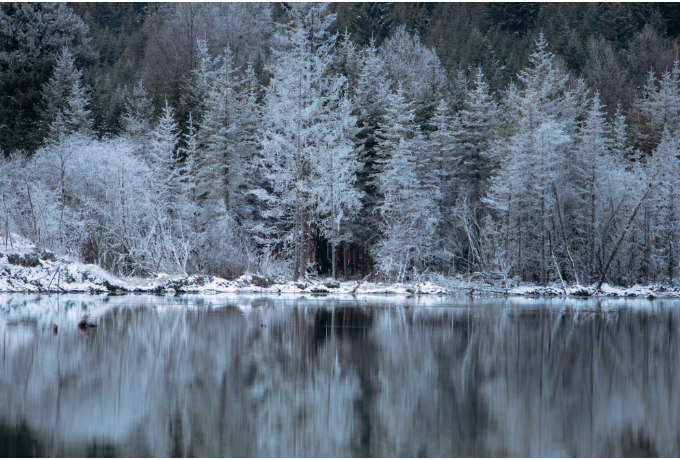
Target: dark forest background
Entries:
(612, 45)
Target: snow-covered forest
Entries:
(259, 138)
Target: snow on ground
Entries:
(25, 268)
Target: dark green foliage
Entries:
(31, 37)
(115, 31)
(499, 37)
(364, 20)
(516, 18)
(108, 104)
(670, 11)
(118, 41)
(109, 41)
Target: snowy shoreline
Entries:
(34, 271)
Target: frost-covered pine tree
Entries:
(644, 118)
(657, 107)
(407, 205)
(417, 68)
(216, 138)
(372, 93)
(138, 115)
(441, 149)
(335, 190)
(76, 113)
(526, 188)
(65, 100)
(247, 148)
(300, 99)
(408, 217)
(663, 206)
(541, 89)
(206, 69)
(217, 166)
(619, 146)
(531, 185)
(163, 158)
(55, 93)
(188, 169)
(348, 62)
(479, 123)
(663, 104)
(370, 102)
(476, 124)
(593, 163)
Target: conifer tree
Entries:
(76, 113)
(138, 114)
(217, 138)
(594, 162)
(479, 123)
(407, 204)
(248, 150)
(64, 98)
(663, 214)
(370, 102)
(164, 160)
(299, 103)
(334, 188)
(188, 170)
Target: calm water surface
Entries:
(373, 376)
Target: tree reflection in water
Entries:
(249, 376)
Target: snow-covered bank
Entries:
(25, 268)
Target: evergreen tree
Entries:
(299, 103)
(479, 123)
(442, 144)
(334, 188)
(593, 161)
(541, 91)
(64, 94)
(32, 37)
(217, 138)
(663, 208)
(163, 158)
(407, 206)
(138, 113)
(76, 113)
(248, 148)
(188, 170)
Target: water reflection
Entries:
(191, 376)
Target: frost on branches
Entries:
(317, 155)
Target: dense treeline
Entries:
(357, 138)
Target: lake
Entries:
(331, 376)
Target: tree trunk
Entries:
(519, 249)
(620, 240)
(296, 258)
(564, 233)
(592, 225)
(344, 259)
(353, 255)
(671, 230)
(303, 247)
(557, 267)
(544, 267)
(36, 232)
(648, 247)
(334, 259)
